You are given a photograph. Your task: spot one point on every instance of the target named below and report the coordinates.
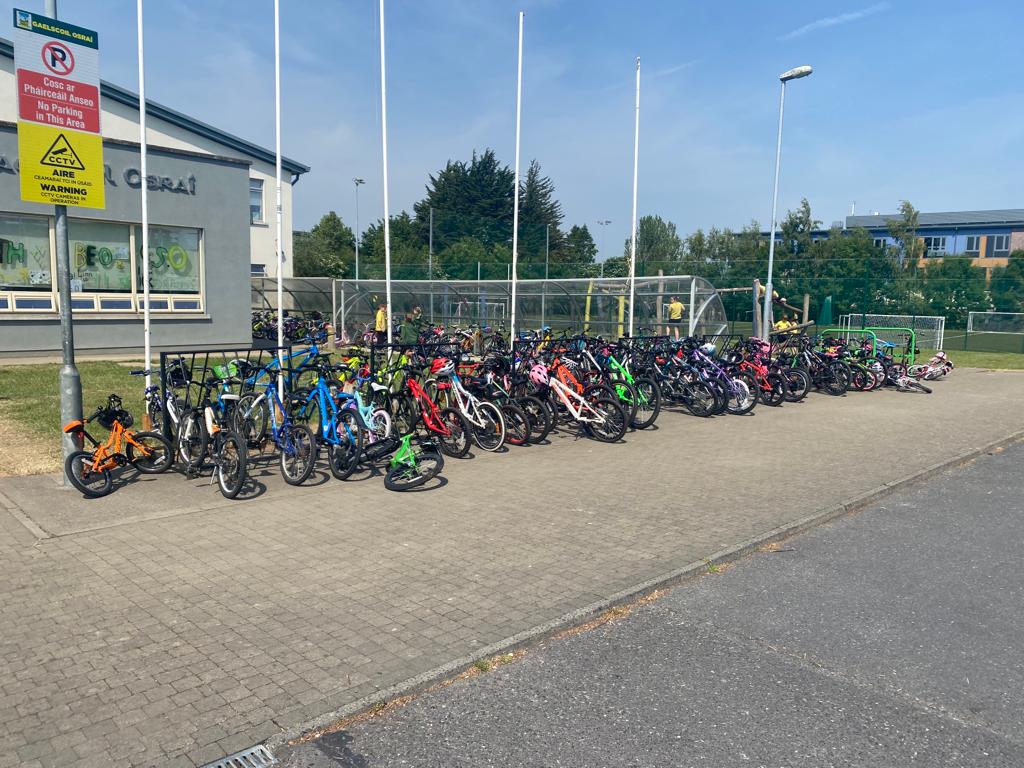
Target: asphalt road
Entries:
(889, 638)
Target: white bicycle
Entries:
(485, 419)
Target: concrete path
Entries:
(166, 626)
(889, 639)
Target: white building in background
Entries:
(170, 129)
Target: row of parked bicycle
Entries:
(410, 406)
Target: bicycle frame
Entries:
(574, 402)
(467, 403)
(428, 408)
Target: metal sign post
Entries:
(60, 151)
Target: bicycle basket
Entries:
(227, 371)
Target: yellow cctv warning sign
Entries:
(60, 166)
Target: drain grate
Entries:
(253, 757)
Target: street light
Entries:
(604, 240)
(785, 77)
(357, 181)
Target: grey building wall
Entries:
(219, 207)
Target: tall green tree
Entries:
(1007, 285)
(904, 231)
(658, 246)
(577, 255)
(540, 220)
(953, 287)
(327, 250)
(408, 251)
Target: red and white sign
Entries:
(55, 101)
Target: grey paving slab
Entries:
(890, 638)
(198, 622)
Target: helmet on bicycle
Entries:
(442, 366)
(708, 349)
(539, 375)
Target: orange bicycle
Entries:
(89, 471)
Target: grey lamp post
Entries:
(785, 77)
(357, 181)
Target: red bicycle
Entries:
(414, 405)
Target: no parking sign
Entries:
(59, 142)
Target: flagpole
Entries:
(515, 191)
(384, 155)
(143, 152)
(636, 163)
(277, 170)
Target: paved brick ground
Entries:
(162, 626)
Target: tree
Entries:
(797, 230)
(658, 246)
(904, 232)
(953, 287)
(1007, 285)
(576, 256)
(540, 219)
(408, 251)
(469, 200)
(327, 250)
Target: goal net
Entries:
(995, 322)
(929, 330)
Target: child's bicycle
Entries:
(89, 471)
(411, 467)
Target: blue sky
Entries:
(915, 100)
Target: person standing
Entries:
(411, 326)
(675, 314)
(380, 325)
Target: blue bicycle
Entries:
(295, 442)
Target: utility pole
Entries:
(70, 380)
(357, 181)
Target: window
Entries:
(257, 270)
(25, 253)
(973, 247)
(1000, 245)
(100, 256)
(255, 201)
(934, 246)
(881, 242)
(174, 260)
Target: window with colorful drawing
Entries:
(25, 253)
(100, 256)
(174, 259)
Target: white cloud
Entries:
(832, 21)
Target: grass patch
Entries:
(1002, 361)
(30, 405)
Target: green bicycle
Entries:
(411, 467)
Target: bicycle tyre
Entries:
(491, 436)
(192, 438)
(798, 382)
(231, 461)
(742, 398)
(251, 419)
(700, 399)
(917, 386)
(517, 424)
(456, 444)
(613, 428)
(539, 416)
(648, 402)
(78, 468)
(344, 457)
(775, 394)
(298, 453)
(147, 464)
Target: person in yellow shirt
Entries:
(381, 323)
(782, 325)
(675, 314)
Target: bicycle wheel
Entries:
(700, 399)
(798, 382)
(456, 442)
(156, 456)
(648, 402)
(403, 477)
(741, 399)
(298, 453)
(517, 423)
(80, 472)
(612, 424)
(773, 390)
(405, 415)
(192, 438)
(230, 464)
(539, 416)
(251, 418)
(910, 385)
(344, 457)
(491, 435)
(380, 424)
(838, 380)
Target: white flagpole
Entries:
(145, 199)
(277, 168)
(384, 153)
(636, 164)
(515, 191)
